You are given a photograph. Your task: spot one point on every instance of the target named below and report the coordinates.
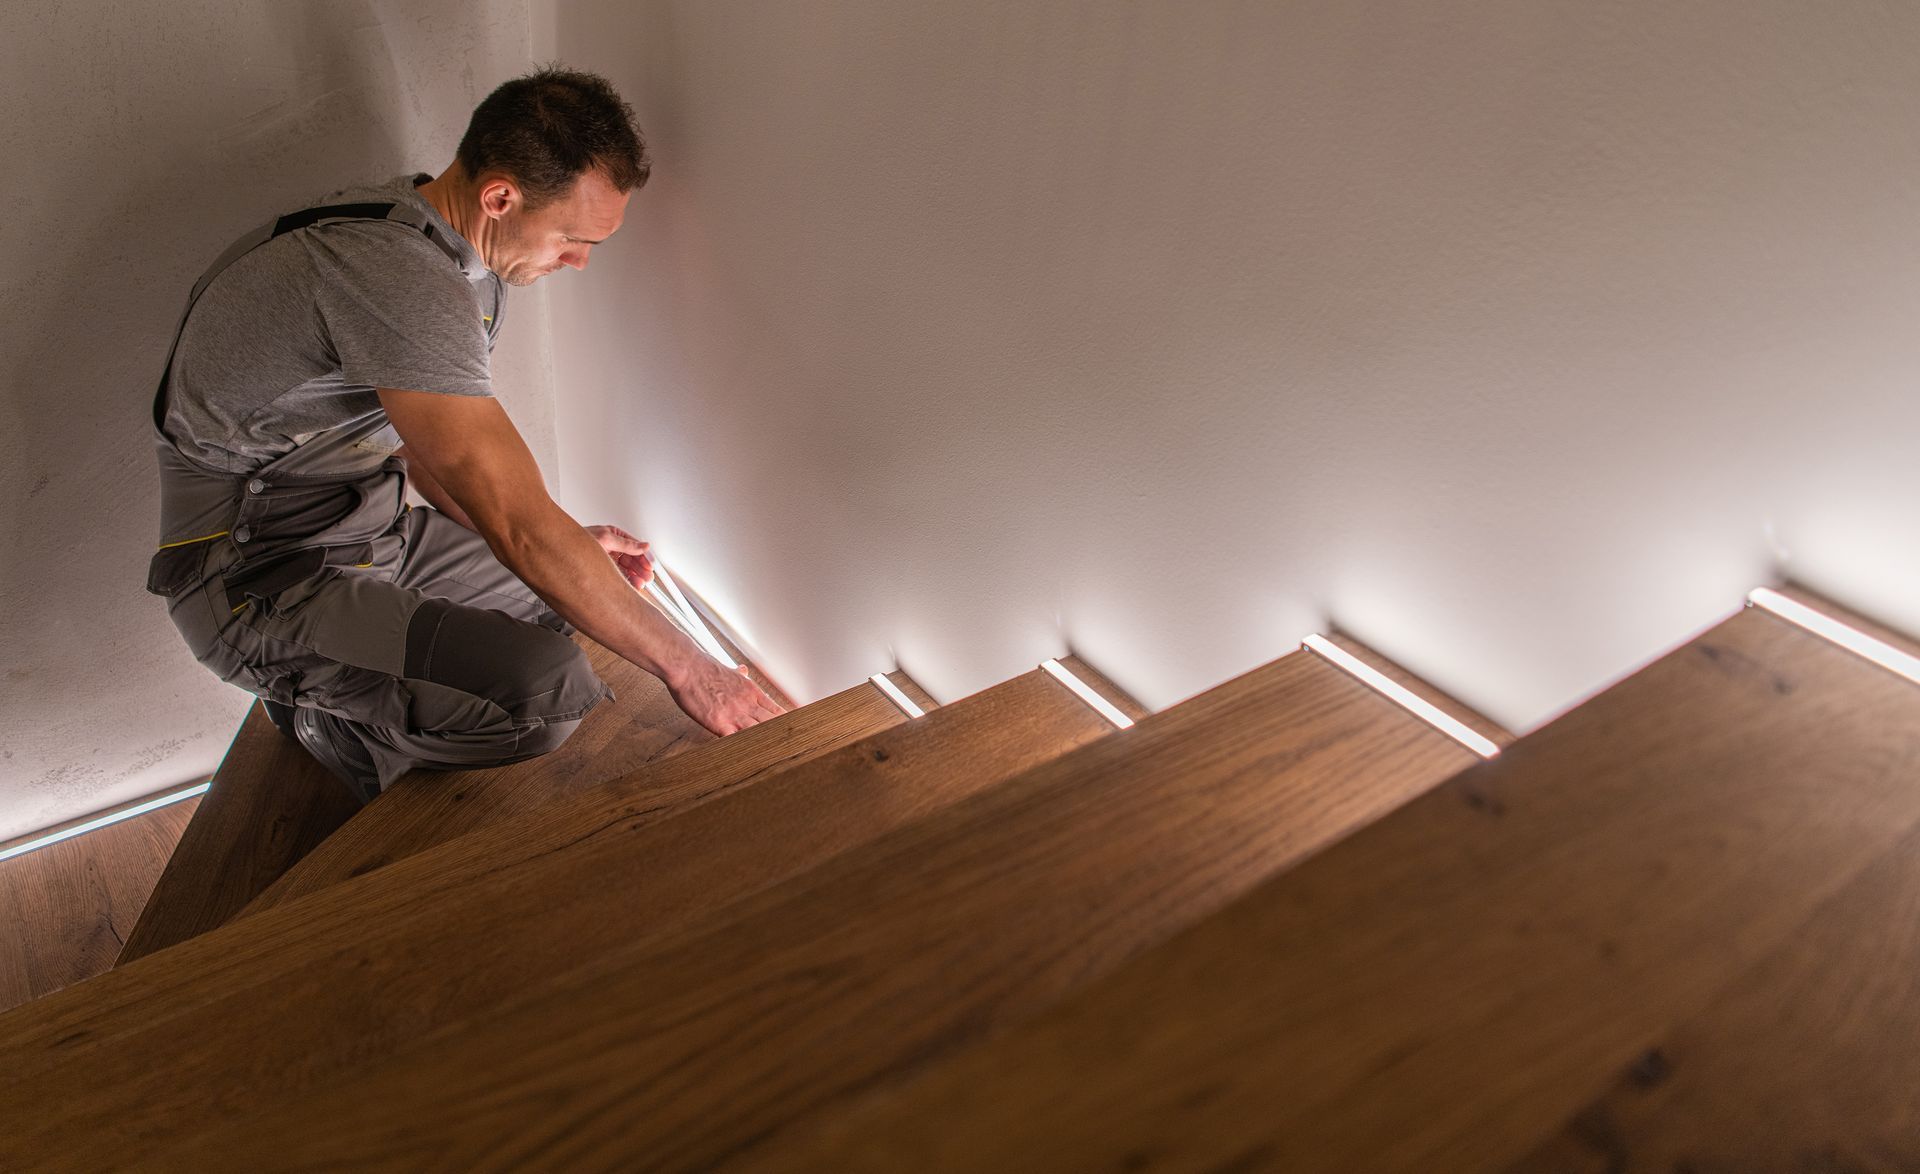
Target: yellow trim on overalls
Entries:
(236, 611)
(191, 541)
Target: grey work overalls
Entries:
(310, 582)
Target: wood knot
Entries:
(1484, 803)
(1739, 664)
(1650, 1070)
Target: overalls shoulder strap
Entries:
(292, 222)
(355, 510)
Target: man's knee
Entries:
(539, 677)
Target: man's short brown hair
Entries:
(549, 128)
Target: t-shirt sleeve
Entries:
(397, 311)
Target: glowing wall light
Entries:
(1825, 626)
(153, 804)
(1421, 708)
(1085, 692)
(667, 593)
(894, 695)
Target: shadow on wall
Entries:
(153, 147)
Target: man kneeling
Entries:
(331, 357)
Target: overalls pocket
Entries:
(278, 583)
(176, 568)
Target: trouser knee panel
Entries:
(533, 673)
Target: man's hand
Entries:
(723, 701)
(468, 446)
(719, 698)
(628, 553)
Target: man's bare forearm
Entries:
(555, 556)
(424, 484)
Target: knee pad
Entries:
(537, 675)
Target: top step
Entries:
(1446, 989)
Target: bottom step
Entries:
(376, 963)
(270, 804)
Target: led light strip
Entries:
(672, 611)
(153, 804)
(690, 620)
(1085, 692)
(894, 695)
(1425, 710)
(1825, 626)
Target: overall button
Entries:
(256, 486)
(242, 534)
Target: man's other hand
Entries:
(628, 553)
(720, 698)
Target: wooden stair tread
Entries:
(1813, 1055)
(393, 965)
(691, 1048)
(1444, 989)
(270, 804)
(137, 996)
(66, 909)
(642, 725)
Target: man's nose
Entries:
(577, 258)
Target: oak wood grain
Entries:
(269, 805)
(1445, 988)
(264, 949)
(1809, 1061)
(713, 1042)
(66, 909)
(639, 726)
(361, 995)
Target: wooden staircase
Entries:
(1283, 925)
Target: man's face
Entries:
(528, 245)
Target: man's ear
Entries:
(498, 196)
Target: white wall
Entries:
(1517, 337)
(139, 140)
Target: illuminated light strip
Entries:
(153, 804)
(1827, 628)
(894, 695)
(672, 611)
(1420, 707)
(690, 619)
(1085, 692)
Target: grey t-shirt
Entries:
(288, 343)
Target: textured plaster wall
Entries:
(139, 140)
(1517, 337)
